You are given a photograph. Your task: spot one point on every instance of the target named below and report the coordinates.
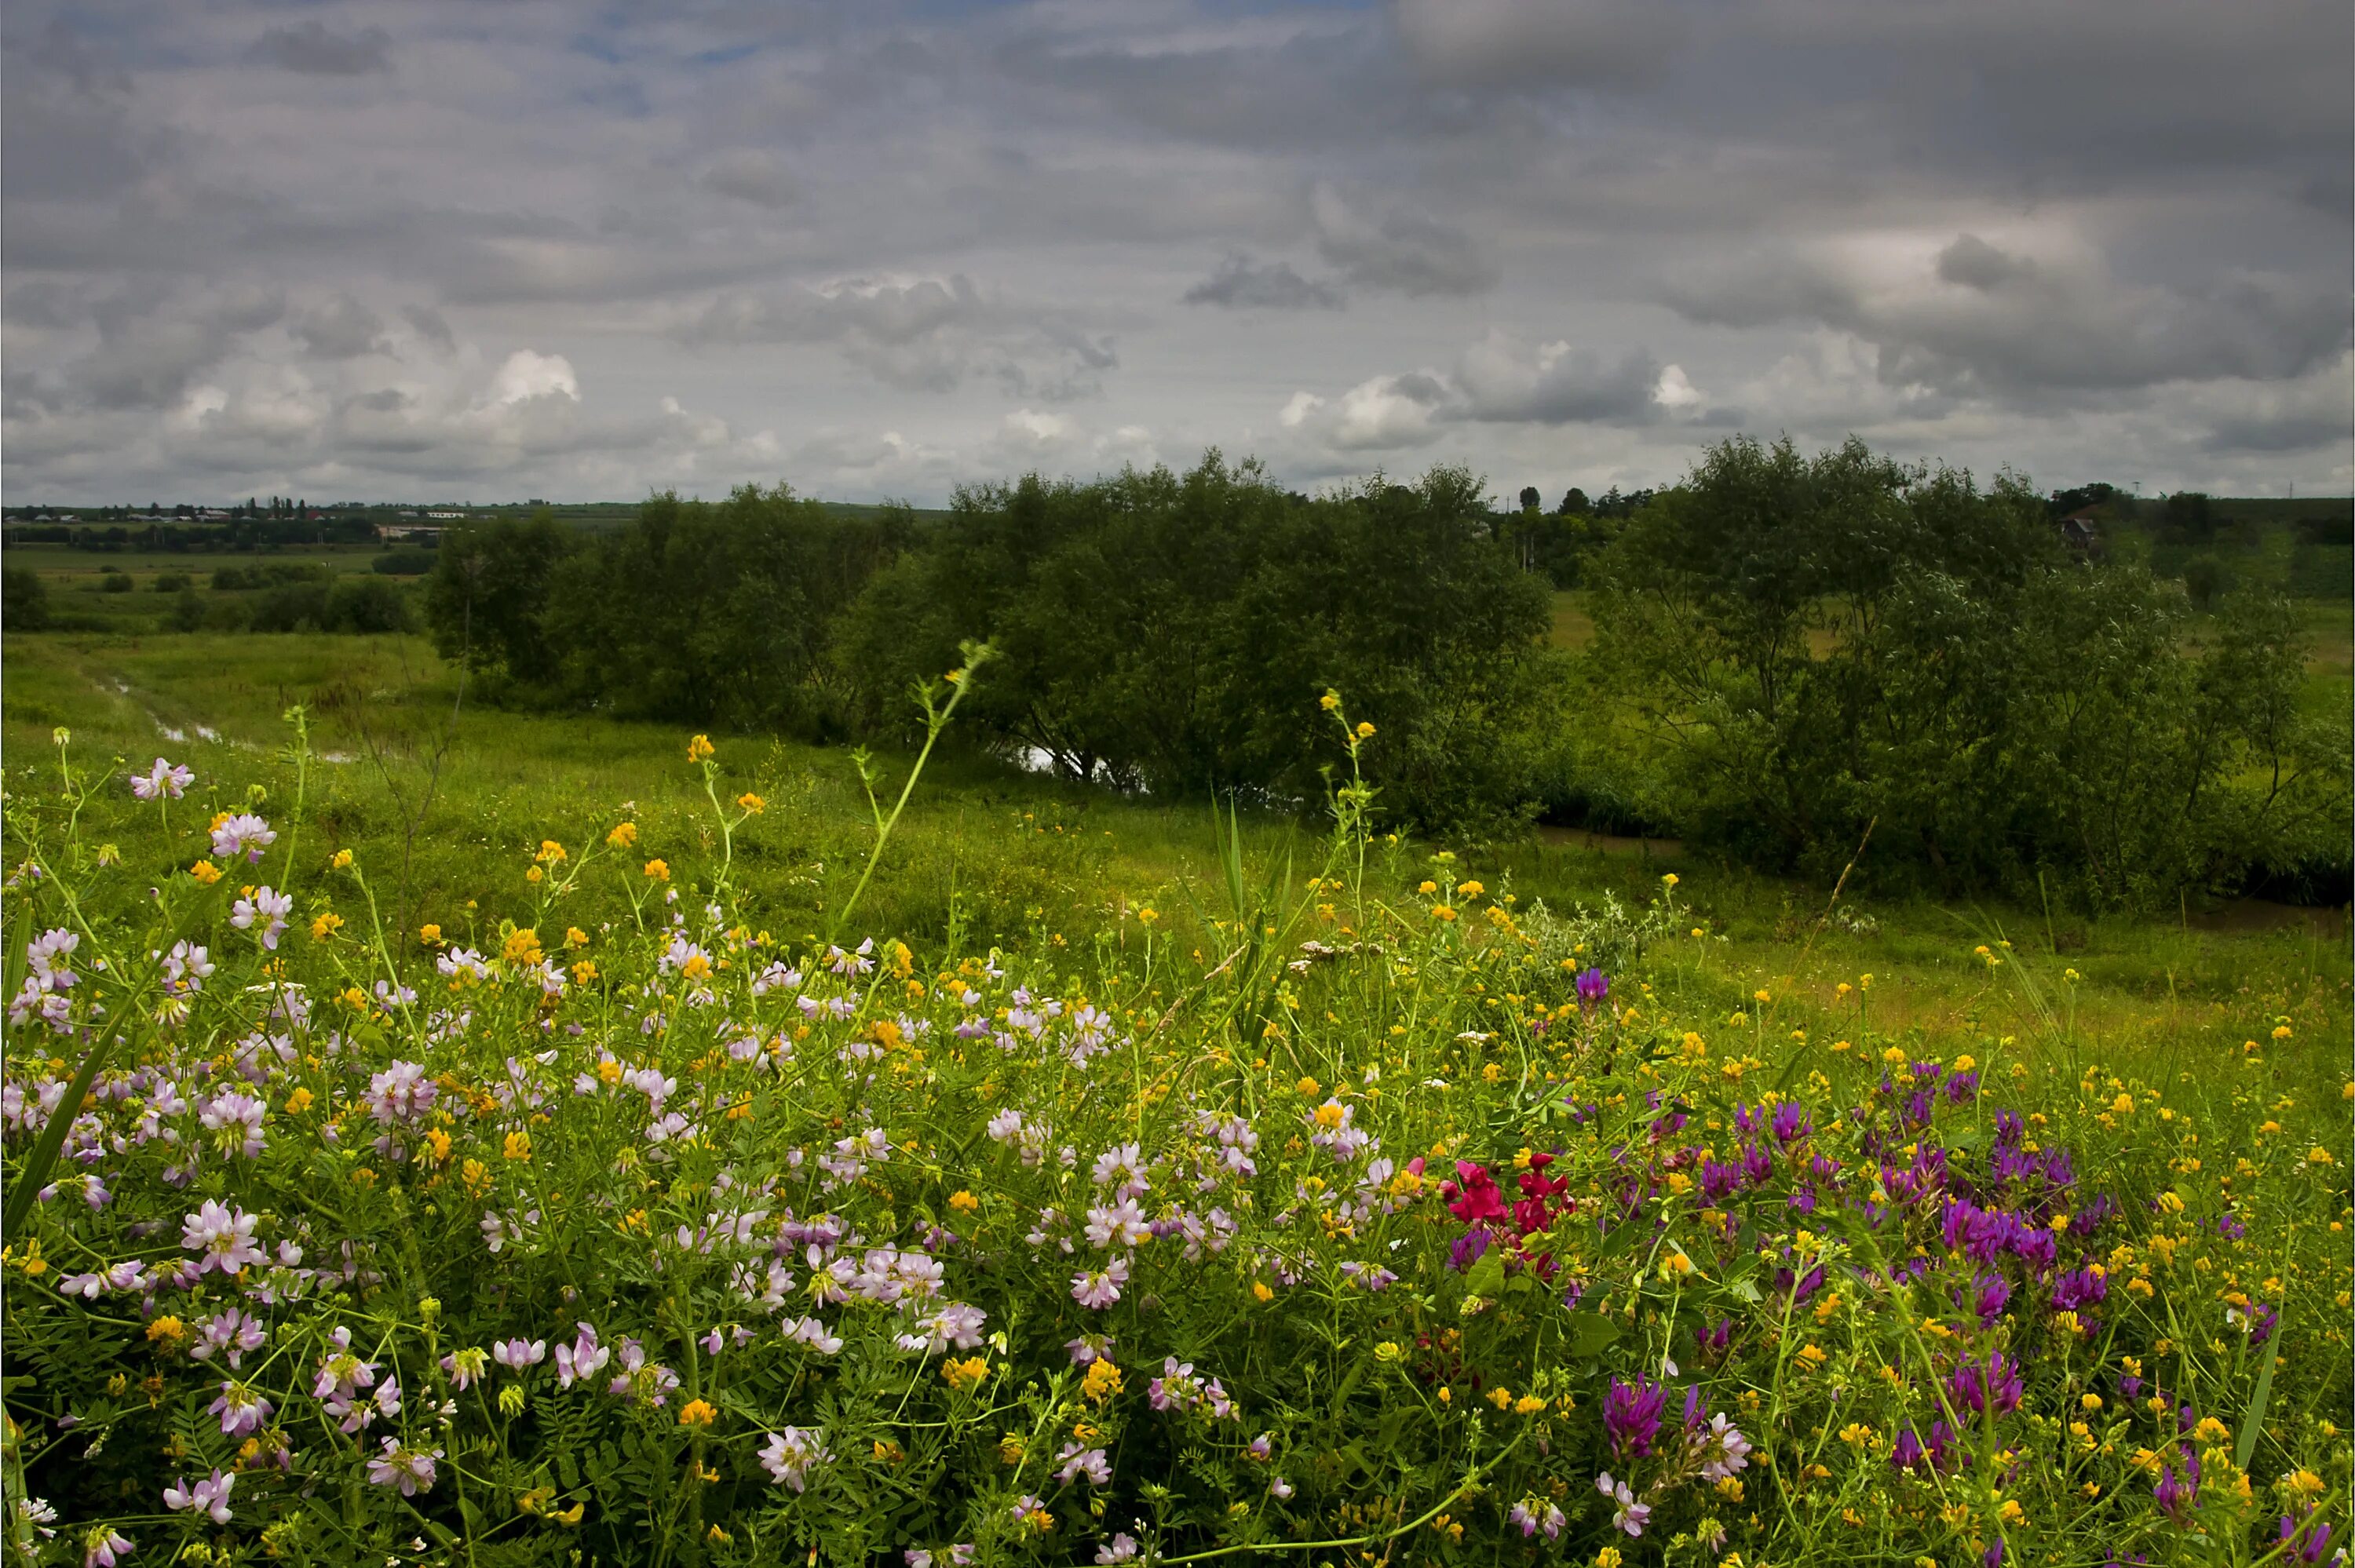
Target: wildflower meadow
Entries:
(1361, 1215)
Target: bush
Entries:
(24, 599)
(292, 607)
(367, 605)
(1173, 633)
(171, 582)
(1804, 652)
(405, 563)
(116, 582)
(188, 611)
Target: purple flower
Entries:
(1631, 1415)
(791, 1454)
(1465, 1250)
(1906, 1452)
(2176, 1492)
(1994, 1386)
(410, 1470)
(104, 1547)
(244, 834)
(1986, 1294)
(223, 1235)
(1791, 1122)
(2078, 1287)
(1594, 985)
(2306, 1541)
(1630, 1515)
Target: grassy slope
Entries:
(1023, 859)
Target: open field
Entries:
(1012, 854)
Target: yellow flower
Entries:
(1102, 1381)
(1329, 701)
(964, 1201)
(1148, 914)
(534, 874)
(964, 1374)
(298, 1102)
(2090, 1402)
(574, 937)
(343, 860)
(696, 1413)
(1009, 1449)
(517, 1147)
(1608, 1558)
(1668, 879)
(205, 872)
(1442, 912)
(522, 946)
(2210, 1430)
(623, 837)
(1527, 1404)
(1365, 731)
(430, 934)
(1469, 889)
(1261, 1291)
(583, 972)
(2319, 1155)
(751, 803)
(658, 870)
(167, 1328)
(1308, 1087)
(326, 925)
(698, 748)
(551, 852)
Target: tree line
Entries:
(1794, 653)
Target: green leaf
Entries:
(1487, 1279)
(1589, 1333)
(2254, 1422)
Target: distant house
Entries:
(2081, 531)
(411, 532)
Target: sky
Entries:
(482, 251)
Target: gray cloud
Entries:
(1241, 283)
(1402, 251)
(1577, 238)
(1557, 43)
(343, 328)
(309, 47)
(749, 175)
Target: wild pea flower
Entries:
(410, 1470)
(268, 906)
(1630, 1515)
(1594, 985)
(163, 779)
(400, 1093)
(231, 1332)
(186, 968)
(1280, 1489)
(1121, 1548)
(1720, 1447)
(223, 1235)
(104, 1547)
(48, 953)
(244, 833)
(237, 1116)
(1100, 1288)
(1077, 1461)
(1906, 1452)
(580, 1359)
(242, 1411)
(1631, 1415)
(210, 1496)
(1122, 1168)
(791, 1454)
(1986, 1294)
(1473, 1198)
(1791, 1122)
(1533, 1514)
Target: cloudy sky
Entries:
(474, 250)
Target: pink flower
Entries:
(791, 1454)
(267, 905)
(210, 1496)
(103, 1547)
(1100, 1288)
(244, 834)
(242, 1411)
(224, 1235)
(164, 779)
(411, 1470)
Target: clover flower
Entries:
(1099, 1288)
(165, 779)
(410, 1470)
(242, 833)
(1631, 1415)
(210, 1496)
(267, 906)
(791, 1454)
(1629, 1515)
(223, 1237)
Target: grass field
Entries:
(1015, 857)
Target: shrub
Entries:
(116, 582)
(24, 599)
